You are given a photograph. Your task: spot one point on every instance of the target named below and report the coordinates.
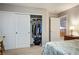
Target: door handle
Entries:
(28, 32)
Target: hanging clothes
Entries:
(40, 28)
(37, 28)
(34, 29)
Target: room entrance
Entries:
(36, 30)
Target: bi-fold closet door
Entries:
(8, 29)
(16, 29)
(22, 31)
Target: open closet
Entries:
(36, 28)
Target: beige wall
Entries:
(45, 21)
(73, 17)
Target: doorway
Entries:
(36, 30)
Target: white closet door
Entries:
(8, 30)
(16, 29)
(55, 29)
(22, 31)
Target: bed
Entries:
(70, 47)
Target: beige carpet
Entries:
(35, 50)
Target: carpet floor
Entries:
(34, 50)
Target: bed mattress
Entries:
(70, 47)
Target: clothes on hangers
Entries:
(34, 29)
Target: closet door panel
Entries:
(22, 31)
(8, 30)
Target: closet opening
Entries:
(36, 30)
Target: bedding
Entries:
(70, 47)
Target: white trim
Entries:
(22, 13)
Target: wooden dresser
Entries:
(69, 37)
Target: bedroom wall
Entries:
(73, 18)
(45, 21)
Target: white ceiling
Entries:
(51, 7)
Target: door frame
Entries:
(49, 29)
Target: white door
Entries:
(55, 29)
(22, 31)
(8, 30)
(16, 29)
